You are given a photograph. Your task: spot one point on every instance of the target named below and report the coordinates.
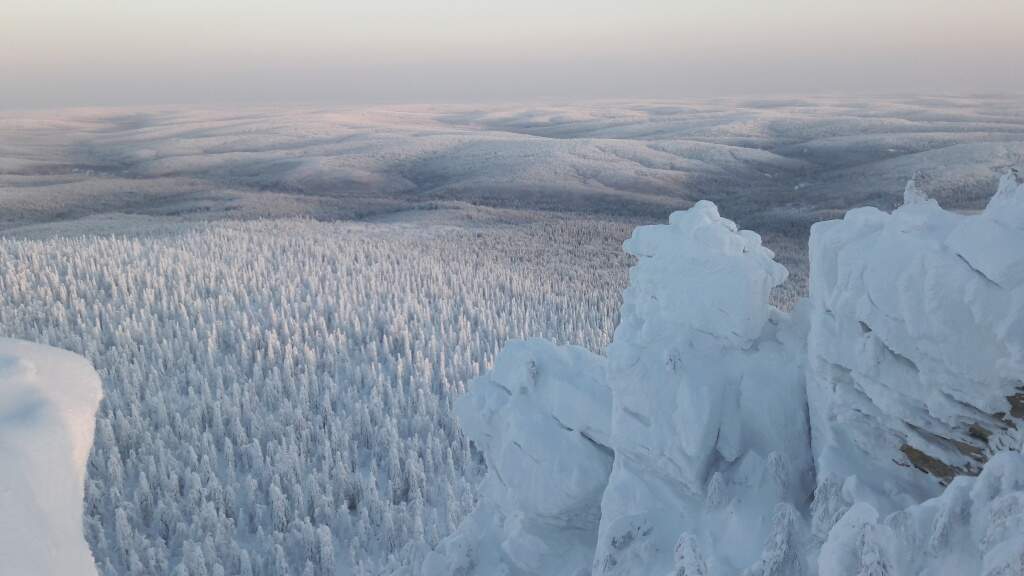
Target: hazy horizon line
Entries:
(299, 103)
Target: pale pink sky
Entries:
(86, 52)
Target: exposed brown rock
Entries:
(1017, 404)
(979, 433)
(929, 464)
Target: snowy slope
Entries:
(48, 402)
(875, 431)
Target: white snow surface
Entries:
(872, 431)
(48, 402)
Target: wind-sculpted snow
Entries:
(279, 394)
(839, 440)
(48, 402)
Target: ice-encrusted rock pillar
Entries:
(705, 385)
(916, 346)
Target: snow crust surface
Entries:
(872, 431)
(48, 402)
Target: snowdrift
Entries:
(48, 402)
(875, 430)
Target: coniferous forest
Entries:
(278, 394)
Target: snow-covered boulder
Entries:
(708, 419)
(541, 419)
(48, 402)
(916, 346)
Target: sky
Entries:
(117, 52)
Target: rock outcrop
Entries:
(916, 346)
(705, 390)
(723, 436)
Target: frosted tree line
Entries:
(279, 394)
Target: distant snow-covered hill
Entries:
(775, 165)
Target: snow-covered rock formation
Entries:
(916, 346)
(48, 402)
(683, 425)
(541, 418)
(841, 439)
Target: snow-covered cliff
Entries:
(48, 402)
(722, 436)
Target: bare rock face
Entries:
(916, 346)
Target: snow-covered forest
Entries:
(279, 394)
